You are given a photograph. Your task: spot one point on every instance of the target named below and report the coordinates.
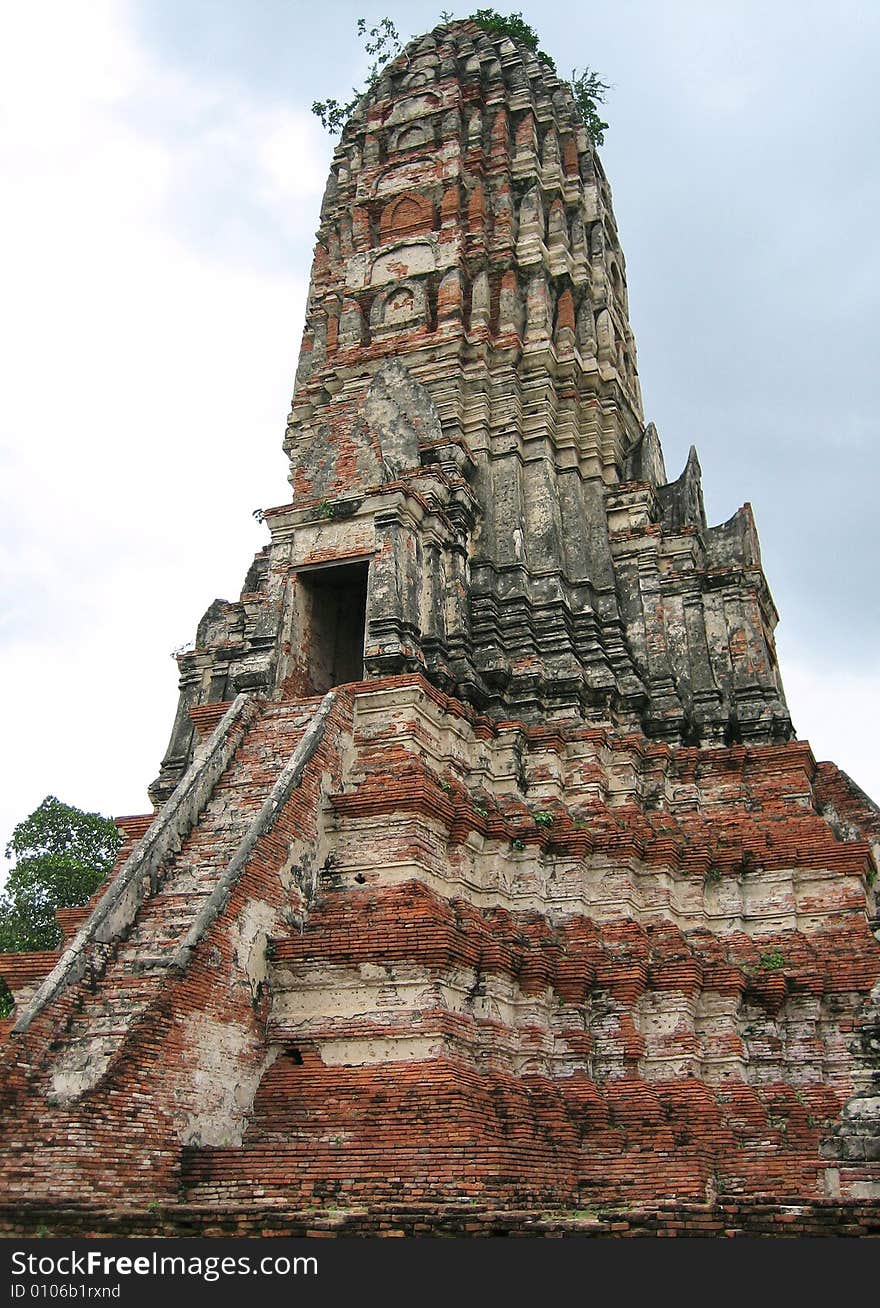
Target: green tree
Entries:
(381, 43)
(61, 857)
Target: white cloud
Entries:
(155, 231)
(838, 711)
(146, 384)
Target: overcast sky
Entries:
(162, 175)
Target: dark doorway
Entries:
(336, 614)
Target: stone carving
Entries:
(399, 412)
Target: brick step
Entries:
(222, 812)
(220, 847)
(149, 964)
(106, 1026)
(168, 926)
(234, 788)
(226, 819)
(193, 883)
(159, 932)
(98, 1013)
(272, 737)
(132, 978)
(122, 995)
(172, 899)
(147, 951)
(265, 752)
(178, 898)
(84, 1046)
(146, 945)
(237, 788)
(289, 718)
(87, 1052)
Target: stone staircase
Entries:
(111, 1001)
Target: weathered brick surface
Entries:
(546, 924)
(137, 1057)
(568, 1021)
(722, 1219)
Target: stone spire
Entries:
(467, 428)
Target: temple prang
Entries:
(486, 872)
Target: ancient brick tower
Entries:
(486, 879)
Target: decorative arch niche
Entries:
(413, 108)
(399, 307)
(402, 262)
(405, 215)
(410, 138)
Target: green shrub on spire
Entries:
(383, 43)
(514, 26)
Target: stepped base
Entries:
(754, 1218)
(477, 977)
